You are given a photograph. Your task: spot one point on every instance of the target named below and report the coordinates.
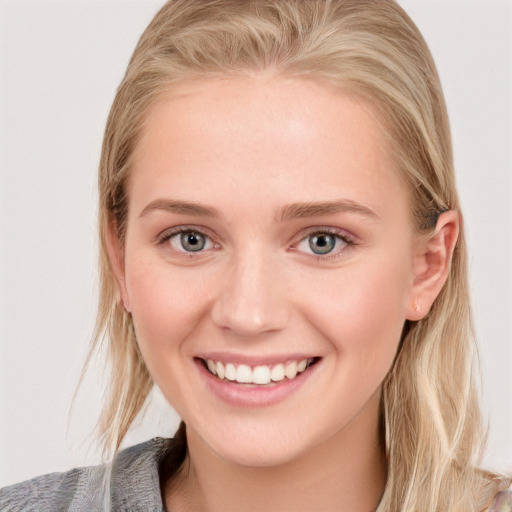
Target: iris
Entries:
(192, 241)
(322, 243)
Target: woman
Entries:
(283, 255)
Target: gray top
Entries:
(135, 485)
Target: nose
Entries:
(251, 297)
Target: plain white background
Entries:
(60, 62)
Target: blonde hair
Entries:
(430, 410)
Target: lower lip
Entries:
(243, 395)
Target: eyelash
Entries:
(339, 235)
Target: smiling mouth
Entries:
(258, 375)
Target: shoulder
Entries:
(53, 492)
(502, 502)
(132, 477)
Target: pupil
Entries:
(192, 241)
(322, 244)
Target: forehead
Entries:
(290, 138)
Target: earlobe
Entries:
(431, 265)
(116, 258)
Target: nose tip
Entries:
(246, 321)
(251, 301)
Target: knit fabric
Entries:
(135, 485)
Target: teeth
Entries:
(220, 370)
(244, 374)
(262, 375)
(277, 372)
(302, 365)
(212, 366)
(230, 371)
(290, 370)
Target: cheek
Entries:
(361, 311)
(161, 301)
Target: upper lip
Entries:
(255, 360)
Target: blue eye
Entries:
(191, 241)
(184, 240)
(322, 243)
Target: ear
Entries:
(432, 264)
(115, 252)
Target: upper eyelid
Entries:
(344, 239)
(174, 230)
(339, 232)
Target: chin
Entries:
(260, 445)
(252, 455)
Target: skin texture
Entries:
(246, 150)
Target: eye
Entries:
(186, 240)
(191, 241)
(323, 243)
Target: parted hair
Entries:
(430, 413)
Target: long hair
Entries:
(429, 406)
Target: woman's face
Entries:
(269, 238)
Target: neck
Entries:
(345, 472)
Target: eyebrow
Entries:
(287, 212)
(183, 207)
(317, 209)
